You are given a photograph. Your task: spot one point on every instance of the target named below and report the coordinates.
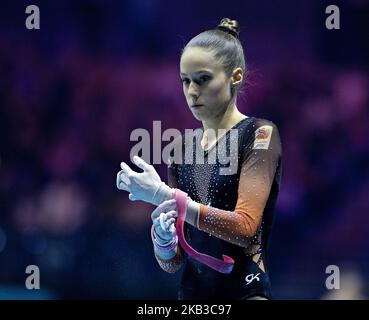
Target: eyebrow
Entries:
(197, 72)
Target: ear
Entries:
(237, 76)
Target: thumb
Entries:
(141, 163)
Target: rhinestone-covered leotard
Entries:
(236, 212)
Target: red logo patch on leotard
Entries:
(262, 137)
(262, 133)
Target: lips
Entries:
(197, 105)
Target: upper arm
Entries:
(259, 163)
(260, 158)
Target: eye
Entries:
(204, 78)
(185, 81)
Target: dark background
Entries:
(72, 92)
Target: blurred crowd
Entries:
(65, 124)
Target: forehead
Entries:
(197, 59)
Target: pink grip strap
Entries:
(223, 266)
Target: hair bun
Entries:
(229, 26)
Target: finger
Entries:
(158, 211)
(121, 184)
(166, 216)
(172, 230)
(163, 207)
(126, 169)
(172, 214)
(141, 163)
(123, 177)
(132, 197)
(118, 180)
(162, 222)
(169, 222)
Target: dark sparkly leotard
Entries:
(236, 212)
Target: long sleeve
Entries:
(171, 265)
(259, 162)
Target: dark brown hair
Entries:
(223, 42)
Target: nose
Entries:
(193, 90)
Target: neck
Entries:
(225, 121)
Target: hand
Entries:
(146, 186)
(164, 218)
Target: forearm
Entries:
(172, 264)
(167, 253)
(237, 227)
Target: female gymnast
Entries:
(228, 209)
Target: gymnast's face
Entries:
(205, 84)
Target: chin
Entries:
(199, 116)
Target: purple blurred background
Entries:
(72, 92)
